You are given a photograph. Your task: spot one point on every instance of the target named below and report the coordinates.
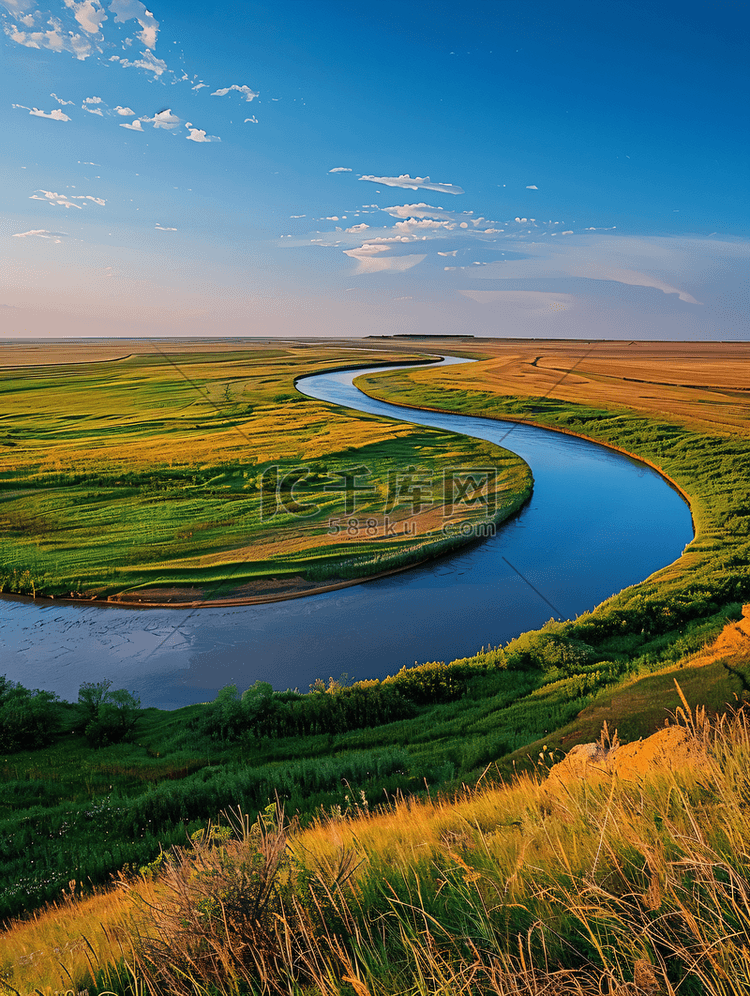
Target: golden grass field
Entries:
(704, 384)
(135, 471)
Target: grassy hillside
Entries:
(95, 799)
(628, 876)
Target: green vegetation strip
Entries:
(713, 469)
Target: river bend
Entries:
(597, 522)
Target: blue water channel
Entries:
(597, 522)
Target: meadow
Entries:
(204, 475)
(398, 835)
(687, 413)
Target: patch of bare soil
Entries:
(673, 748)
(261, 589)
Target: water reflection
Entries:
(597, 522)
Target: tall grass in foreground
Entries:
(596, 885)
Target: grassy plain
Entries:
(397, 878)
(164, 474)
(683, 407)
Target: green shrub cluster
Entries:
(27, 719)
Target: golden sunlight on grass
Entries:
(630, 882)
(152, 470)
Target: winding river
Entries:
(597, 522)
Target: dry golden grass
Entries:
(56, 947)
(631, 884)
(704, 384)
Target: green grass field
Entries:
(398, 859)
(169, 478)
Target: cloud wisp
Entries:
(535, 303)
(55, 115)
(369, 260)
(414, 183)
(245, 90)
(594, 258)
(62, 200)
(198, 135)
(41, 233)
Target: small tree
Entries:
(28, 719)
(258, 707)
(107, 717)
(91, 695)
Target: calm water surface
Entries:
(597, 522)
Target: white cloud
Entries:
(200, 86)
(93, 100)
(91, 110)
(42, 233)
(414, 183)
(357, 228)
(368, 249)
(89, 15)
(246, 92)
(135, 126)
(149, 62)
(252, 120)
(297, 215)
(196, 135)
(340, 169)
(333, 217)
(161, 228)
(369, 262)
(392, 238)
(164, 119)
(61, 101)
(426, 224)
(532, 187)
(55, 115)
(453, 252)
(124, 111)
(420, 210)
(56, 39)
(125, 10)
(61, 200)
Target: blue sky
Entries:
(329, 168)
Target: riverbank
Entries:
(709, 468)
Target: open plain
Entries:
(196, 473)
